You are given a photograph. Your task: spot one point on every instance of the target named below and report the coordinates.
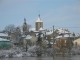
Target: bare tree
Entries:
(18, 35)
(16, 31)
(28, 26)
(9, 29)
(39, 47)
(17, 38)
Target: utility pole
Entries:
(53, 42)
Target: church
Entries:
(32, 34)
(38, 25)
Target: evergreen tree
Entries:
(39, 48)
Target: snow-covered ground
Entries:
(18, 52)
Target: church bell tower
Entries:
(24, 25)
(39, 23)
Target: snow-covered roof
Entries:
(77, 35)
(49, 33)
(3, 34)
(28, 37)
(32, 29)
(41, 29)
(59, 37)
(64, 31)
(23, 35)
(38, 33)
(4, 39)
(39, 19)
(48, 42)
(65, 36)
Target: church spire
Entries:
(39, 15)
(39, 19)
(24, 25)
(24, 20)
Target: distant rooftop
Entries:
(1, 39)
(61, 30)
(41, 29)
(28, 37)
(3, 34)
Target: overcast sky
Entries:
(60, 13)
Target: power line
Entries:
(49, 27)
(66, 27)
(62, 27)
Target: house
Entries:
(30, 40)
(65, 41)
(76, 42)
(4, 35)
